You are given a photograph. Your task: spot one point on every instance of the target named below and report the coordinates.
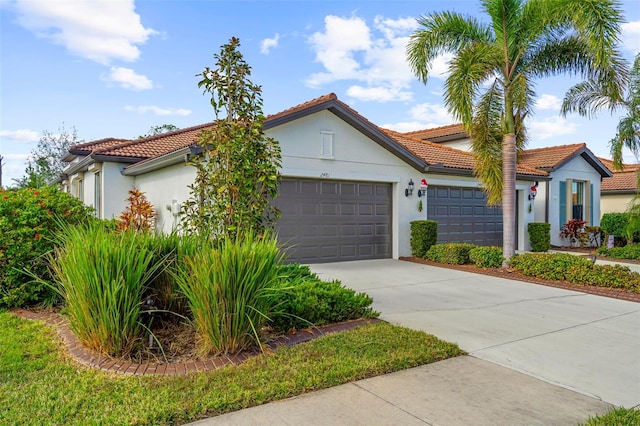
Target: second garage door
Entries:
(330, 221)
(463, 216)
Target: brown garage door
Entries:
(463, 216)
(330, 221)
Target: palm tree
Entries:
(490, 85)
(586, 99)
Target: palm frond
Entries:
(440, 33)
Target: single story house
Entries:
(618, 191)
(350, 188)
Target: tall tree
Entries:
(237, 173)
(490, 88)
(45, 163)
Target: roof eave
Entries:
(175, 157)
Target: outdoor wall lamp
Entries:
(409, 191)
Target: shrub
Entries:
(539, 236)
(424, 234)
(102, 277)
(29, 220)
(486, 257)
(307, 300)
(575, 269)
(450, 253)
(615, 224)
(574, 232)
(138, 215)
(231, 291)
(630, 251)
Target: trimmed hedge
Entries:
(630, 251)
(424, 234)
(486, 257)
(451, 253)
(575, 269)
(539, 236)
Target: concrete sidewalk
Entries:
(538, 355)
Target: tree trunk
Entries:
(508, 196)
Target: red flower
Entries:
(37, 237)
(36, 193)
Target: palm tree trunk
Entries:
(508, 195)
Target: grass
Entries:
(40, 385)
(616, 417)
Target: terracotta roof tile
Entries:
(98, 144)
(625, 167)
(437, 132)
(620, 181)
(434, 153)
(316, 101)
(549, 157)
(157, 145)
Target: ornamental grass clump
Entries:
(231, 291)
(102, 277)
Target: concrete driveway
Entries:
(586, 343)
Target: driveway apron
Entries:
(586, 343)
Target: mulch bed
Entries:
(510, 274)
(180, 362)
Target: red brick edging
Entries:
(102, 362)
(614, 293)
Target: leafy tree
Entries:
(237, 172)
(45, 163)
(490, 88)
(157, 130)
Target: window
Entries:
(98, 195)
(80, 190)
(326, 145)
(577, 200)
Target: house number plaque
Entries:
(325, 174)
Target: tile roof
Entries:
(550, 157)
(89, 147)
(625, 167)
(155, 146)
(626, 181)
(302, 106)
(437, 132)
(434, 153)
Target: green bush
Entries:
(102, 277)
(575, 269)
(231, 290)
(424, 234)
(307, 300)
(615, 224)
(29, 221)
(539, 236)
(630, 251)
(450, 253)
(486, 257)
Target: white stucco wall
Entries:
(115, 189)
(163, 186)
(576, 169)
(461, 144)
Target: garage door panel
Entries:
(352, 220)
(463, 216)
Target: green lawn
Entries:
(40, 385)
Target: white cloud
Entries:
(128, 79)
(101, 31)
(379, 94)
(423, 116)
(16, 157)
(20, 135)
(549, 127)
(631, 36)
(549, 102)
(143, 109)
(269, 43)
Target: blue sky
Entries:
(117, 68)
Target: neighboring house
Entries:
(618, 191)
(346, 188)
